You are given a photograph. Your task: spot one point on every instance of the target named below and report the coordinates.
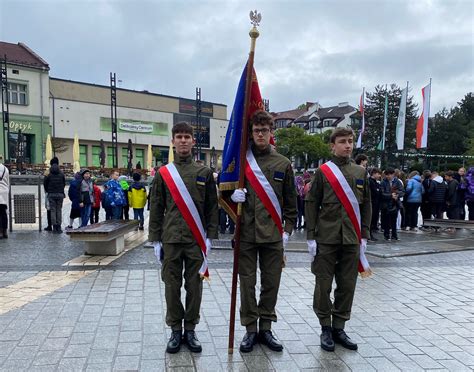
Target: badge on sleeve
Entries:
(278, 176)
(201, 181)
(360, 183)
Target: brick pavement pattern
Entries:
(415, 313)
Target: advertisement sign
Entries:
(135, 126)
(203, 135)
(188, 106)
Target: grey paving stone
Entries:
(16, 365)
(382, 364)
(47, 358)
(72, 364)
(58, 343)
(98, 356)
(98, 367)
(127, 363)
(82, 338)
(129, 348)
(152, 365)
(181, 359)
(77, 351)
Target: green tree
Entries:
(297, 145)
(374, 119)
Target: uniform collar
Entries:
(183, 159)
(258, 152)
(339, 160)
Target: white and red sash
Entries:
(263, 189)
(349, 201)
(186, 206)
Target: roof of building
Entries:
(335, 112)
(291, 114)
(20, 54)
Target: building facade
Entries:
(27, 79)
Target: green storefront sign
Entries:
(34, 131)
(153, 128)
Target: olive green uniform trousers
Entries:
(340, 262)
(177, 256)
(270, 257)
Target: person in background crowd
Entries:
(106, 204)
(97, 199)
(114, 196)
(413, 196)
(86, 196)
(391, 190)
(374, 183)
(452, 202)
(137, 199)
(461, 178)
(4, 193)
(54, 184)
(139, 165)
(425, 201)
(469, 196)
(122, 180)
(299, 201)
(362, 160)
(437, 195)
(74, 196)
(401, 223)
(49, 227)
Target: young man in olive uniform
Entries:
(261, 236)
(333, 241)
(174, 241)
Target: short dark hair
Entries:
(375, 170)
(261, 117)
(389, 171)
(450, 173)
(340, 132)
(360, 158)
(182, 127)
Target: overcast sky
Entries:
(323, 51)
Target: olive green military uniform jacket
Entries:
(326, 219)
(257, 225)
(166, 222)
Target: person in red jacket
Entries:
(96, 206)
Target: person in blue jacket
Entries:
(74, 194)
(413, 195)
(115, 196)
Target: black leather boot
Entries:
(340, 337)
(249, 340)
(327, 342)
(5, 233)
(192, 341)
(267, 338)
(174, 343)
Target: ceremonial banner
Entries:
(381, 145)
(400, 131)
(422, 124)
(361, 106)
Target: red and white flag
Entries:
(422, 124)
(361, 105)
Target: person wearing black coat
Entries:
(54, 184)
(391, 191)
(437, 195)
(452, 197)
(374, 183)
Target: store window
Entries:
(96, 156)
(140, 157)
(17, 94)
(83, 155)
(109, 159)
(125, 157)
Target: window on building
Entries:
(327, 123)
(96, 156)
(300, 125)
(313, 126)
(139, 157)
(109, 159)
(83, 155)
(125, 157)
(17, 94)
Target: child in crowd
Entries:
(96, 206)
(125, 207)
(137, 198)
(74, 195)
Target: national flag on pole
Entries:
(400, 131)
(361, 107)
(381, 145)
(422, 124)
(229, 177)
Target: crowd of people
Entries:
(117, 196)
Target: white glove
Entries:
(208, 246)
(157, 247)
(312, 247)
(285, 237)
(238, 195)
(363, 245)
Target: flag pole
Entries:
(255, 19)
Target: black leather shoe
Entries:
(327, 343)
(174, 343)
(340, 337)
(267, 338)
(192, 341)
(250, 339)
